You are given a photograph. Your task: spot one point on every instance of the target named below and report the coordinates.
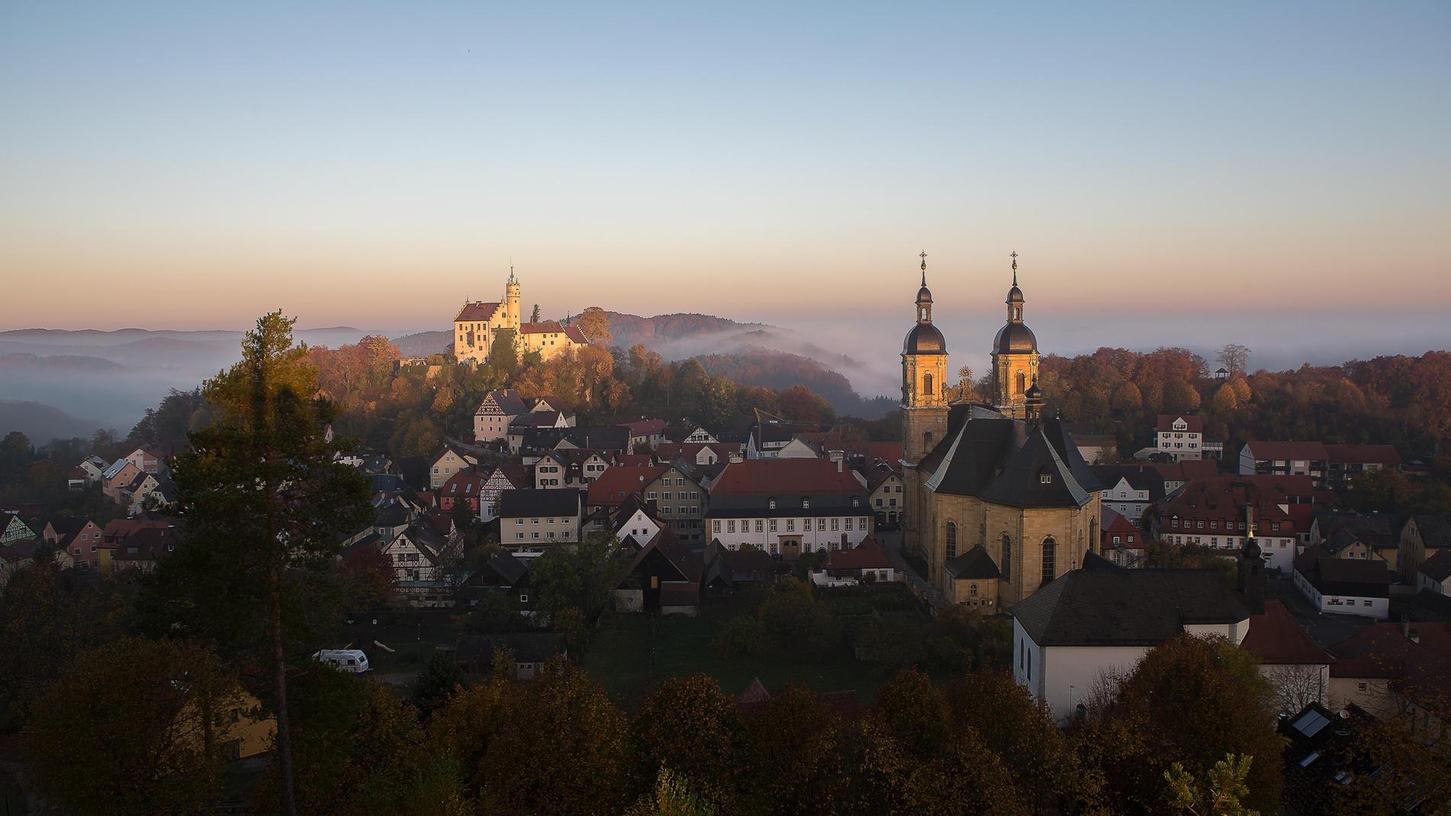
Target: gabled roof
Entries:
(975, 563)
(1438, 566)
(1276, 638)
(1166, 422)
(1358, 577)
(619, 483)
(1140, 607)
(508, 401)
(866, 555)
(1435, 529)
(768, 477)
(644, 426)
(477, 310)
(1140, 477)
(1036, 476)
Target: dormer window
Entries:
(805, 503)
(854, 501)
(771, 503)
(1045, 478)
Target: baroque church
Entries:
(478, 322)
(998, 499)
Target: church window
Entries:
(1050, 557)
(972, 590)
(951, 539)
(927, 441)
(1007, 566)
(1022, 383)
(927, 384)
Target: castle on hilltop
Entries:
(999, 502)
(479, 322)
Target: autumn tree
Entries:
(594, 322)
(263, 500)
(1225, 399)
(1235, 359)
(688, 725)
(534, 315)
(1191, 700)
(133, 727)
(579, 577)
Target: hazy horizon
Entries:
(174, 165)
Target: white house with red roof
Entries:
(866, 563)
(1180, 437)
(1212, 513)
(788, 506)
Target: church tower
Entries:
(924, 378)
(1015, 356)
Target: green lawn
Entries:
(631, 653)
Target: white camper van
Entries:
(352, 661)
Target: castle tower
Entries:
(924, 378)
(1015, 356)
(511, 302)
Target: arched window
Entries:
(972, 590)
(927, 384)
(1006, 568)
(1022, 383)
(951, 539)
(1050, 556)
(927, 441)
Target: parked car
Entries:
(352, 661)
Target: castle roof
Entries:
(477, 310)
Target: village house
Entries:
(634, 522)
(884, 484)
(1179, 437)
(865, 563)
(18, 555)
(1421, 536)
(1357, 535)
(496, 413)
(1344, 586)
(1345, 462)
(532, 519)
(645, 432)
(118, 477)
(1396, 671)
(507, 476)
(449, 462)
(466, 487)
(1213, 513)
(1297, 668)
(664, 576)
(570, 467)
(13, 528)
(788, 507)
(503, 574)
(1122, 542)
(696, 453)
(1435, 573)
(678, 499)
(79, 537)
(1091, 626)
(1129, 489)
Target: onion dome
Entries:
(924, 338)
(1015, 338)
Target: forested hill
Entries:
(780, 370)
(628, 329)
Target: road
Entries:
(891, 541)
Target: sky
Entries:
(192, 165)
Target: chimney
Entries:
(839, 457)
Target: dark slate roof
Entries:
(508, 401)
(1142, 607)
(1358, 577)
(967, 460)
(391, 515)
(1438, 566)
(1435, 529)
(1021, 484)
(506, 569)
(975, 563)
(521, 503)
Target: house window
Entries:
(1050, 556)
(731, 526)
(758, 525)
(773, 525)
(791, 525)
(950, 537)
(715, 525)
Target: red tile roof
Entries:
(1364, 454)
(1195, 423)
(1307, 451)
(619, 483)
(1276, 638)
(886, 451)
(768, 477)
(543, 327)
(477, 310)
(866, 555)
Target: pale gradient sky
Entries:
(191, 165)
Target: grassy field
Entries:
(633, 652)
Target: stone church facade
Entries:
(998, 500)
